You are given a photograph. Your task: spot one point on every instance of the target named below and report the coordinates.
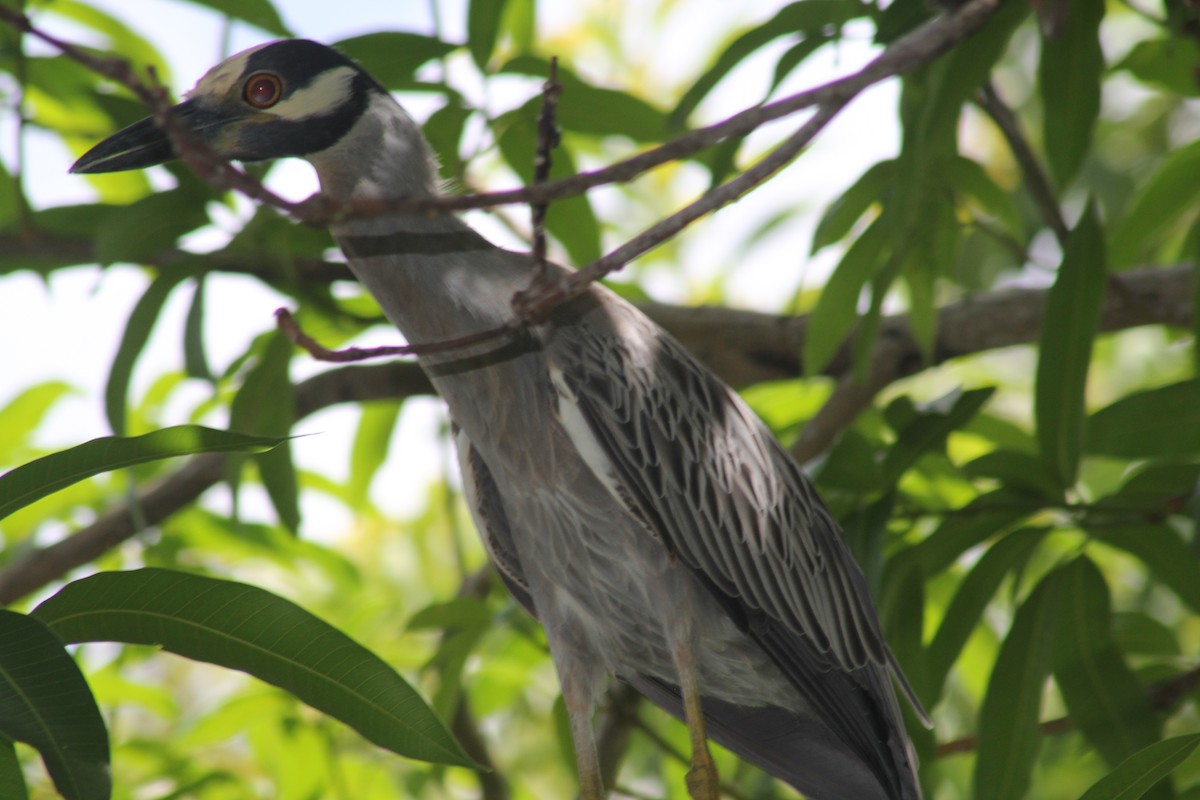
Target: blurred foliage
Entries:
(1026, 519)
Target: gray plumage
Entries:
(630, 500)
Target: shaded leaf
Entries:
(1169, 63)
(1017, 470)
(836, 313)
(246, 628)
(145, 228)
(802, 18)
(1171, 193)
(985, 516)
(1140, 772)
(1106, 701)
(483, 29)
(929, 429)
(972, 597)
(1161, 549)
(1072, 318)
(839, 218)
(1069, 75)
(1008, 739)
(265, 406)
(393, 57)
(195, 358)
(259, 13)
(12, 779)
(48, 474)
(137, 332)
(45, 702)
(1156, 423)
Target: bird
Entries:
(629, 500)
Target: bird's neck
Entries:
(434, 277)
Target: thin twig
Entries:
(287, 323)
(548, 139)
(1036, 179)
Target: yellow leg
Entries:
(702, 780)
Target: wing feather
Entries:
(688, 456)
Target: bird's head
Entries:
(287, 98)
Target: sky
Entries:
(72, 325)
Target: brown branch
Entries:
(743, 347)
(1041, 188)
(548, 139)
(1165, 696)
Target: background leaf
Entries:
(246, 628)
(45, 702)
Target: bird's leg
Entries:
(702, 780)
(579, 704)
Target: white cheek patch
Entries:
(330, 90)
(221, 79)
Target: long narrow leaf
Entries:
(133, 340)
(1141, 771)
(46, 475)
(1105, 699)
(46, 703)
(1069, 75)
(1065, 347)
(1008, 736)
(246, 628)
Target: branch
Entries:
(743, 347)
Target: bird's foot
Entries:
(702, 780)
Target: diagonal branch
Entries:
(743, 348)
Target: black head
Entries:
(292, 97)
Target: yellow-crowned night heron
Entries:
(628, 498)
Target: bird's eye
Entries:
(263, 90)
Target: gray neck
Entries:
(434, 277)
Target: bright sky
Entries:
(72, 326)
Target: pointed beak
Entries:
(145, 144)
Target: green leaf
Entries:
(970, 178)
(836, 313)
(121, 38)
(1143, 770)
(195, 358)
(929, 428)
(49, 474)
(1069, 75)
(147, 227)
(259, 13)
(1008, 738)
(1106, 701)
(444, 130)
(246, 628)
(1168, 196)
(483, 29)
(839, 218)
(974, 593)
(801, 18)
(371, 443)
(985, 516)
(133, 340)
(1162, 550)
(1156, 423)
(12, 779)
(265, 406)
(1017, 470)
(393, 57)
(45, 702)
(1167, 63)
(24, 413)
(1072, 317)
(1156, 488)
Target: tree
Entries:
(995, 390)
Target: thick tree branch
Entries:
(743, 347)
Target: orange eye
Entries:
(263, 90)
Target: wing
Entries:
(683, 452)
